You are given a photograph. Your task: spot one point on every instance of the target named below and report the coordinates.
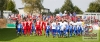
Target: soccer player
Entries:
(58, 27)
(41, 26)
(79, 30)
(75, 28)
(37, 27)
(79, 26)
(47, 30)
(53, 28)
(67, 30)
(22, 30)
(65, 23)
(19, 28)
(29, 26)
(33, 29)
(24, 26)
(44, 25)
(62, 29)
(71, 29)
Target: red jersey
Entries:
(24, 24)
(27, 25)
(41, 24)
(45, 24)
(37, 23)
(30, 24)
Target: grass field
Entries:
(9, 35)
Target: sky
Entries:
(54, 4)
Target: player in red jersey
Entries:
(37, 27)
(24, 27)
(41, 26)
(29, 28)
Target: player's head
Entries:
(65, 21)
(54, 21)
(30, 19)
(74, 21)
(58, 23)
(70, 24)
(19, 22)
(17, 19)
(37, 19)
(47, 23)
(62, 21)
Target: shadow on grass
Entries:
(7, 34)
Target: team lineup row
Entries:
(62, 28)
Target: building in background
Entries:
(7, 13)
(21, 11)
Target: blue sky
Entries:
(53, 4)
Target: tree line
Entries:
(36, 6)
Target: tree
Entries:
(32, 5)
(77, 10)
(57, 11)
(2, 6)
(11, 6)
(94, 6)
(68, 6)
(97, 1)
(15, 11)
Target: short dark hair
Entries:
(58, 23)
(47, 23)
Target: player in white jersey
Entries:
(62, 28)
(75, 27)
(79, 27)
(66, 31)
(65, 22)
(53, 24)
(71, 22)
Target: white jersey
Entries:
(71, 22)
(60, 23)
(53, 25)
(62, 26)
(79, 23)
(74, 24)
(65, 23)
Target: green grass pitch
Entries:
(9, 35)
